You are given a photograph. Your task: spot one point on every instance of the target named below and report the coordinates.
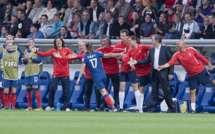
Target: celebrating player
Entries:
(139, 52)
(188, 57)
(32, 69)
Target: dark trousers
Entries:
(156, 80)
(66, 91)
(88, 92)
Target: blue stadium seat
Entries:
(174, 83)
(130, 100)
(59, 95)
(93, 99)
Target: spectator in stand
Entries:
(56, 26)
(22, 23)
(85, 27)
(85, 3)
(29, 6)
(190, 27)
(164, 26)
(95, 10)
(77, 7)
(45, 26)
(124, 8)
(176, 31)
(35, 33)
(13, 21)
(73, 28)
(112, 25)
(149, 10)
(1, 17)
(202, 12)
(35, 12)
(181, 10)
(5, 31)
(138, 7)
(167, 5)
(171, 12)
(213, 10)
(147, 29)
(150, 1)
(62, 12)
(134, 26)
(99, 27)
(68, 14)
(50, 11)
(9, 12)
(121, 25)
(64, 33)
(211, 16)
(111, 6)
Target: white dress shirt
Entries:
(108, 27)
(156, 57)
(94, 15)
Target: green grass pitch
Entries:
(75, 122)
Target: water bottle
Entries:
(58, 106)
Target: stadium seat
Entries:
(174, 83)
(130, 97)
(59, 95)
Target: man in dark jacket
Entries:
(147, 29)
(95, 10)
(64, 33)
(134, 26)
(110, 29)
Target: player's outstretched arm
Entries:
(110, 55)
(81, 73)
(132, 62)
(162, 67)
(210, 66)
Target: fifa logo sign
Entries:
(10, 64)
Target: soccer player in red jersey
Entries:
(111, 68)
(127, 73)
(139, 52)
(60, 72)
(189, 59)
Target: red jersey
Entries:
(79, 57)
(61, 66)
(189, 61)
(139, 54)
(120, 47)
(110, 65)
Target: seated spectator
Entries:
(68, 14)
(56, 26)
(164, 26)
(110, 6)
(171, 13)
(147, 29)
(19, 33)
(22, 23)
(213, 10)
(135, 24)
(13, 21)
(145, 2)
(149, 10)
(35, 33)
(181, 10)
(29, 6)
(77, 7)
(1, 17)
(202, 12)
(85, 27)
(176, 31)
(9, 12)
(210, 16)
(112, 25)
(45, 26)
(35, 12)
(95, 10)
(190, 27)
(99, 27)
(73, 28)
(50, 11)
(138, 7)
(5, 31)
(121, 25)
(64, 33)
(124, 8)
(62, 12)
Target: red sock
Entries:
(14, 100)
(9, 98)
(29, 96)
(5, 97)
(38, 97)
(108, 100)
(2, 97)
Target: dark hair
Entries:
(157, 38)
(7, 28)
(105, 37)
(109, 13)
(14, 16)
(135, 11)
(96, 1)
(179, 2)
(55, 46)
(78, 14)
(212, 14)
(53, 3)
(114, 2)
(89, 47)
(87, 11)
(135, 38)
(57, 14)
(121, 17)
(45, 16)
(189, 14)
(21, 10)
(125, 31)
(31, 39)
(165, 16)
(63, 27)
(9, 2)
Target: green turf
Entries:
(55, 122)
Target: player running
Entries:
(189, 59)
(33, 68)
(139, 52)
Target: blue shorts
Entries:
(1, 73)
(32, 80)
(10, 83)
(99, 82)
(144, 80)
(203, 77)
(128, 76)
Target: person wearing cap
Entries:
(35, 33)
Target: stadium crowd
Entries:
(90, 19)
